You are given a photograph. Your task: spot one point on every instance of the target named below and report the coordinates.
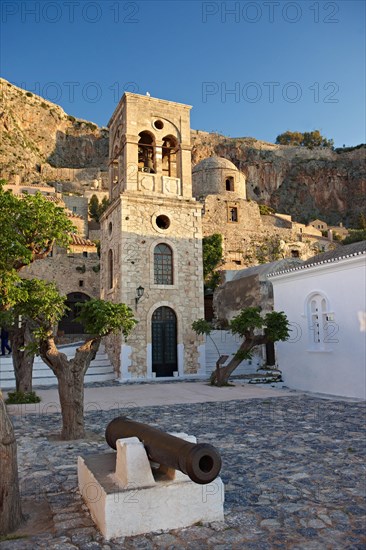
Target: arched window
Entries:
(110, 269)
(169, 160)
(114, 166)
(163, 265)
(322, 330)
(229, 183)
(146, 153)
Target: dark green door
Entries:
(164, 341)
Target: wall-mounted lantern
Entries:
(139, 294)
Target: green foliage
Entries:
(212, 258)
(306, 139)
(41, 302)
(30, 226)
(290, 138)
(96, 208)
(10, 293)
(264, 210)
(241, 355)
(269, 250)
(100, 317)
(201, 326)
(344, 149)
(20, 398)
(97, 244)
(361, 221)
(355, 236)
(276, 326)
(247, 320)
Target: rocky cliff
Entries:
(41, 143)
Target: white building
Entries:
(324, 300)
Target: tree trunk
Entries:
(22, 359)
(71, 393)
(10, 507)
(70, 376)
(221, 376)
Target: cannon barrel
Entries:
(201, 462)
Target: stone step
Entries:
(100, 369)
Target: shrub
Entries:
(20, 398)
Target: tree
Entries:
(255, 331)
(97, 208)
(290, 138)
(30, 227)
(99, 318)
(306, 139)
(315, 139)
(355, 236)
(212, 258)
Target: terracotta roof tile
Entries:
(78, 240)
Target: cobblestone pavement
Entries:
(293, 467)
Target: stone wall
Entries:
(77, 205)
(68, 271)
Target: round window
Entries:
(162, 221)
(159, 124)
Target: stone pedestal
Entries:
(127, 495)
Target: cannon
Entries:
(200, 462)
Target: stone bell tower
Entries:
(151, 243)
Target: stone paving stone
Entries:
(293, 469)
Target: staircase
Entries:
(100, 369)
(249, 370)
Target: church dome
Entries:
(214, 163)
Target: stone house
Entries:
(151, 240)
(325, 301)
(76, 274)
(319, 224)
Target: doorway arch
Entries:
(68, 325)
(164, 341)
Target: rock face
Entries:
(307, 184)
(41, 143)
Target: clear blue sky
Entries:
(289, 65)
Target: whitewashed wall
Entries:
(338, 368)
